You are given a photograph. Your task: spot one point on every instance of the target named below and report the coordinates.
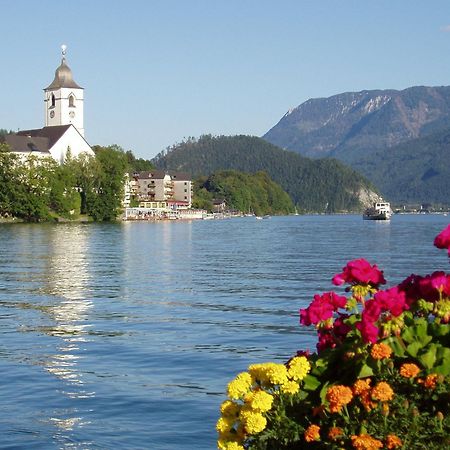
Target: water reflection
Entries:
(67, 275)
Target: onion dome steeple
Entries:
(63, 75)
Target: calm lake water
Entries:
(124, 336)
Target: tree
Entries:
(104, 199)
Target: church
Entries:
(64, 121)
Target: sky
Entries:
(156, 72)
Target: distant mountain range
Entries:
(398, 139)
(324, 185)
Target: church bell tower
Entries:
(63, 98)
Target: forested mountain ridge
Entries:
(324, 185)
(348, 125)
(415, 171)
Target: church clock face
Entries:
(52, 114)
(72, 114)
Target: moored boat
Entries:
(379, 211)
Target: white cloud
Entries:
(446, 29)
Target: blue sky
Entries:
(157, 71)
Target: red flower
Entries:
(442, 240)
(360, 271)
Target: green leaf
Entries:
(429, 358)
(414, 348)
(365, 371)
(397, 346)
(311, 383)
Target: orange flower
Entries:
(409, 370)
(393, 441)
(367, 402)
(366, 442)
(430, 381)
(382, 391)
(334, 433)
(361, 386)
(312, 433)
(338, 396)
(380, 351)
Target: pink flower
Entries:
(322, 308)
(392, 300)
(442, 240)
(369, 331)
(372, 310)
(360, 271)
(326, 340)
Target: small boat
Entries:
(379, 211)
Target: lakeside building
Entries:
(161, 186)
(64, 121)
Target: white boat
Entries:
(379, 211)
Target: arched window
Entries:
(53, 100)
(71, 101)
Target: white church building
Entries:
(64, 121)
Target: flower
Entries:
(382, 392)
(269, 373)
(409, 370)
(380, 351)
(366, 442)
(334, 433)
(361, 386)
(290, 387)
(392, 300)
(239, 386)
(312, 433)
(224, 425)
(229, 445)
(393, 441)
(254, 422)
(338, 396)
(259, 401)
(298, 368)
(431, 381)
(360, 271)
(442, 240)
(229, 409)
(369, 331)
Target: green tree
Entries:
(104, 199)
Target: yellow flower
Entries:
(254, 422)
(382, 392)
(269, 373)
(229, 445)
(239, 386)
(338, 396)
(380, 351)
(259, 401)
(290, 387)
(366, 442)
(393, 441)
(224, 425)
(312, 433)
(229, 409)
(409, 370)
(298, 368)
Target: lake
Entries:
(124, 336)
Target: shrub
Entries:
(379, 380)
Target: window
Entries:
(53, 100)
(71, 101)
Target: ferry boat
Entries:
(379, 211)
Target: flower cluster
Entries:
(251, 395)
(380, 378)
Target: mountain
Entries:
(323, 185)
(375, 132)
(415, 171)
